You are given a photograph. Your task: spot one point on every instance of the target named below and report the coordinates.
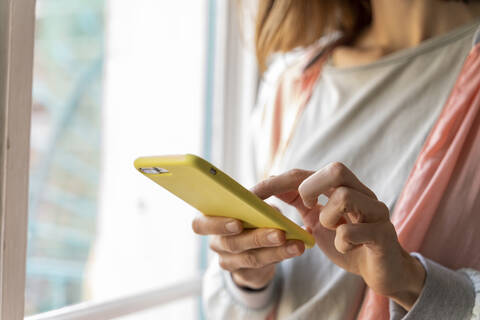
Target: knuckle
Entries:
(229, 244)
(342, 196)
(295, 173)
(282, 254)
(343, 233)
(388, 229)
(342, 243)
(337, 170)
(223, 264)
(256, 238)
(324, 221)
(251, 261)
(385, 210)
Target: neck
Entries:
(401, 24)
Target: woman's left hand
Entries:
(353, 228)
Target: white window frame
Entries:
(235, 83)
(121, 306)
(17, 23)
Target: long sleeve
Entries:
(447, 294)
(222, 299)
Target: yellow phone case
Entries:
(214, 193)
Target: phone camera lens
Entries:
(213, 171)
(154, 170)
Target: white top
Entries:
(374, 118)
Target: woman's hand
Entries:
(353, 228)
(250, 255)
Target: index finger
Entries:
(206, 225)
(333, 175)
(281, 184)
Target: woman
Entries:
(367, 118)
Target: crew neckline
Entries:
(424, 47)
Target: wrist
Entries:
(411, 283)
(252, 285)
(255, 300)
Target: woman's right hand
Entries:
(249, 255)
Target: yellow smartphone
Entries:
(214, 193)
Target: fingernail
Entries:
(292, 249)
(232, 226)
(273, 237)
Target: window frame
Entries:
(17, 24)
(122, 306)
(235, 79)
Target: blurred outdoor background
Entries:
(109, 85)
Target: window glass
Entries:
(113, 81)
